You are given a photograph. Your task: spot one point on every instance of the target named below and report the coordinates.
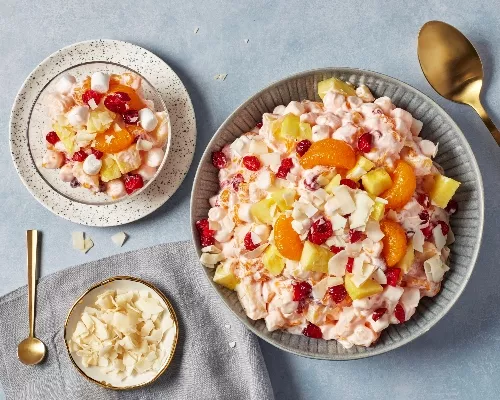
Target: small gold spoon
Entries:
(31, 350)
(452, 66)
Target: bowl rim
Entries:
(170, 309)
(474, 255)
(165, 148)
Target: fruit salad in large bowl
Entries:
(105, 136)
(332, 220)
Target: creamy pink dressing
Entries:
(263, 295)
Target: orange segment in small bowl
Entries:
(394, 242)
(404, 184)
(286, 239)
(120, 140)
(135, 102)
(330, 153)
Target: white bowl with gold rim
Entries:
(168, 342)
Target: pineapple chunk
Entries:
(315, 258)
(443, 190)
(377, 181)
(333, 184)
(261, 211)
(368, 288)
(378, 211)
(109, 169)
(100, 121)
(272, 260)
(284, 198)
(407, 260)
(225, 277)
(290, 127)
(337, 86)
(305, 131)
(66, 135)
(363, 165)
(128, 160)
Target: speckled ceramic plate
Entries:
(454, 155)
(28, 122)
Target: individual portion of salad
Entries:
(332, 220)
(106, 137)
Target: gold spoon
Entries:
(452, 66)
(31, 350)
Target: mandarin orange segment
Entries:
(403, 186)
(330, 153)
(394, 242)
(80, 90)
(286, 239)
(135, 102)
(120, 140)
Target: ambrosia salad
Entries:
(332, 220)
(106, 137)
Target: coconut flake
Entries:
(119, 238)
(337, 264)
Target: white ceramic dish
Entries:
(95, 374)
(28, 121)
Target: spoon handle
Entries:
(32, 245)
(487, 121)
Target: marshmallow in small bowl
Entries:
(115, 189)
(78, 116)
(146, 172)
(147, 119)
(99, 82)
(154, 157)
(66, 173)
(92, 165)
(52, 159)
(65, 84)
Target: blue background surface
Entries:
(458, 358)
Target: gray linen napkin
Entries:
(204, 365)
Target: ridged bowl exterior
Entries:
(454, 155)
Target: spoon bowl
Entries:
(453, 67)
(31, 351)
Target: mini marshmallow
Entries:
(78, 116)
(320, 132)
(363, 92)
(279, 110)
(59, 146)
(385, 104)
(115, 189)
(65, 84)
(146, 172)
(147, 119)
(66, 173)
(263, 231)
(329, 119)
(244, 212)
(52, 159)
(294, 107)
(216, 213)
(91, 165)
(99, 82)
(154, 157)
(144, 145)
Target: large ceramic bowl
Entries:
(454, 155)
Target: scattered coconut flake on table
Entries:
(232, 344)
(247, 40)
(220, 77)
(227, 326)
(119, 238)
(81, 242)
(196, 30)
